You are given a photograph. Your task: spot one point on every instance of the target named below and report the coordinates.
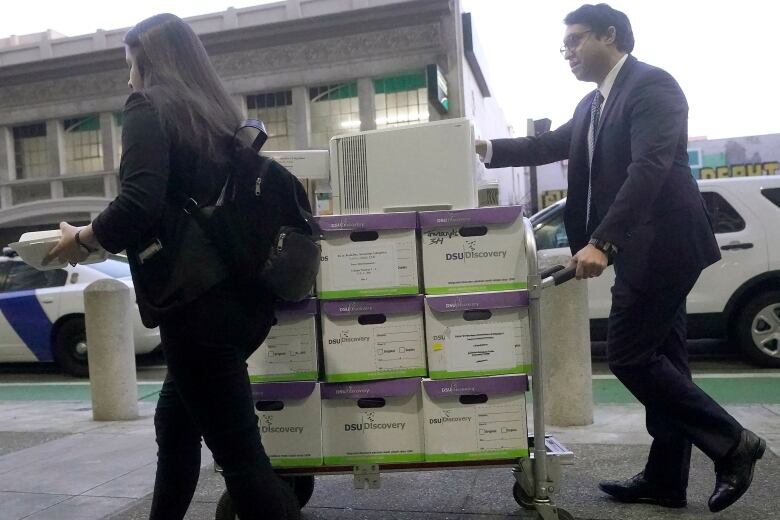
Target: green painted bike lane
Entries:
(65, 391)
(726, 389)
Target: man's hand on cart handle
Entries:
(590, 262)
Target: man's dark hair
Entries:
(599, 18)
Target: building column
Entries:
(108, 140)
(302, 120)
(55, 147)
(367, 104)
(240, 101)
(111, 186)
(57, 191)
(7, 158)
(7, 165)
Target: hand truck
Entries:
(536, 476)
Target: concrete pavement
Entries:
(56, 463)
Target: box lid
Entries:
(307, 306)
(470, 217)
(476, 385)
(401, 305)
(282, 391)
(360, 390)
(477, 301)
(368, 222)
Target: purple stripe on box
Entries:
(282, 391)
(476, 385)
(370, 222)
(470, 217)
(307, 306)
(478, 301)
(405, 305)
(388, 388)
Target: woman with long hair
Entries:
(177, 139)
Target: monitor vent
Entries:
(354, 174)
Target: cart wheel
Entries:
(225, 510)
(302, 486)
(522, 498)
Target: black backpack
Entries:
(262, 224)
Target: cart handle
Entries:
(557, 274)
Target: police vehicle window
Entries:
(22, 277)
(723, 216)
(773, 194)
(5, 267)
(115, 267)
(551, 234)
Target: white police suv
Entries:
(737, 297)
(42, 312)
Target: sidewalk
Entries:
(56, 463)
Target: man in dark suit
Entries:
(632, 200)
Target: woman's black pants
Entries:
(206, 394)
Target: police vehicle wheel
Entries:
(758, 329)
(302, 486)
(522, 498)
(70, 347)
(225, 510)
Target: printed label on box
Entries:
(368, 265)
(481, 345)
(477, 334)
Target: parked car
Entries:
(42, 312)
(739, 296)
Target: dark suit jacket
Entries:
(644, 198)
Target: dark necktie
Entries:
(595, 113)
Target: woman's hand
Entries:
(67, 249)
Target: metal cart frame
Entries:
(537, 476)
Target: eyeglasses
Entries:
(573, 41)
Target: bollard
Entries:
(566, 342)
(111, 351)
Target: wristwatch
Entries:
(605, 247)
(84, 247)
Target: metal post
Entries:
(534, 188)
(535, 315)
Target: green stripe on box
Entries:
(298, 376)
(373, 376)
(443, 374)
(455, 289)
(480, 455)
(366, 293)
(303, 462)
(349, 460)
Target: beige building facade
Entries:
(310, 69)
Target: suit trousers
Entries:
(647, 351)
(207, 394)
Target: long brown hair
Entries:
(183, 86)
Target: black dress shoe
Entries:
(638, 489)
(734, 472)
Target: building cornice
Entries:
(293, 31)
